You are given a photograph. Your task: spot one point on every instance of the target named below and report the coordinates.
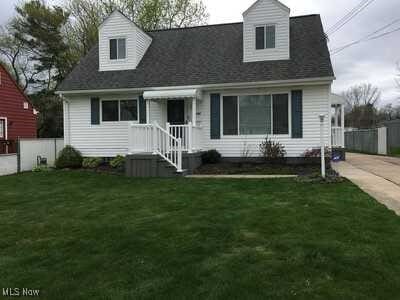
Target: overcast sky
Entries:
(372, 61)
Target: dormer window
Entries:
(265, 37)
(117, 49)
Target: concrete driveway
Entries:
(379, 176)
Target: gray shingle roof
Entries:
(209, 55)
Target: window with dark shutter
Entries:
(215, 116)
(113, 49)
(142, 110)
(280, 114)
(230, 115)
(297, 114)
(260, 38)
(95, 111)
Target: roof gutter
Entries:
(206, 87)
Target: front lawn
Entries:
(82, 235)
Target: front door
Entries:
(176, 112)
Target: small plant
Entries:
(91, 162)
(272, 150)
(331, 177)
(69, 157)
(41, 168)
(118, 162)
(246, 151)
(211, 157)
(316, 152)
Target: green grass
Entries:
(395, 151)
(81, 235)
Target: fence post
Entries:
(382, 141)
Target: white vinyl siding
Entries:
(109, 139)
(137, 42)
(266, 13)
(315, 102)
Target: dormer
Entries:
(122, 44)
(266, 31)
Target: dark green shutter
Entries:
(215, 115)
(142, 110)
(297, 114)
(95, 110)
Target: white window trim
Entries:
(119, 110)
(5, 137)
(265, 36)
(126, 49)
(257, 136)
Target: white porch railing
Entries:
(190, 135)
(151, 138)
(337, 137)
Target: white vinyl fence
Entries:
(371, 141)
(8, 164)
(31, 149)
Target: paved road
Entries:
(379, 176)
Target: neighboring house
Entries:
(223, 87)
(17, 116)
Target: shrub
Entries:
(91, 162)
(211, 157)
(272, 150)
(118, 162)
(316, 152)
(69, 157)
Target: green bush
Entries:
(91, 162)
(118, 162)
(69, 157)
(211, 157)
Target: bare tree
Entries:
(362, 95)
(361, 102)
(15, 55)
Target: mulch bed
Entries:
(226, 168)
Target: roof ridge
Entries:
(220, 24)
(194, 27)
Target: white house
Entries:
(223, 87)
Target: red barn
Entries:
(17, 116)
